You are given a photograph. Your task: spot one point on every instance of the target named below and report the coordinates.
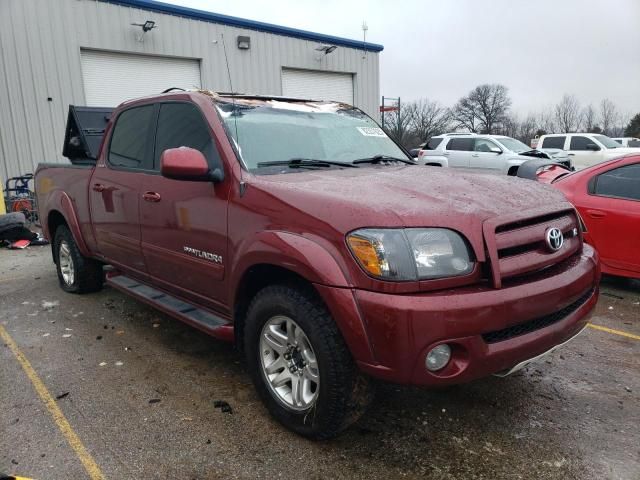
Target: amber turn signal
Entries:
(366, 253)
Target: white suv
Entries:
(495, 153)
(585, 149)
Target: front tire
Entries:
(300, 365)
(76, 273)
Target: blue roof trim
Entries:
(244, 23)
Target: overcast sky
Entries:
(441, 49)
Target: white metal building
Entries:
(54, 53)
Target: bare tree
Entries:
(464, 115)
(427, 118)
(510, 126)
(609, 116)
(589, 121)
(397, 125)
(567, 114)
(546, 121)
(484, 108)
(528, 129)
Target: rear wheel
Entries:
(76, 273)
(300, 364)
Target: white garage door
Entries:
(317, 85)
(110, 78)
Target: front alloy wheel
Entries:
(289, 363)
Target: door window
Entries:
(460, 144)
(580, 143)
(128, 146)
(623, 182)
(483, 145)
(553, 142)
(182, 125)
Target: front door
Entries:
(584, 152)
(184, 223)
(484, 158)
(612, 215)
(114, 188)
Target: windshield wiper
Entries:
(304, 162)
(383, 158)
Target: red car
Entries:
(607, 196)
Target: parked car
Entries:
(607, 196)
(585, 149)
(628, 141)
(495, 153)
(300, 231)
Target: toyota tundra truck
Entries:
(300, 231)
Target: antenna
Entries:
(235, 116)
(365, 27)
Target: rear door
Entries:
(483, 158)
(612, 213)
(458, 151)
(184, 223)
(583, 153)
(114, 188)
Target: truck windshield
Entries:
(513, 144)
(277, 131)
(607, 142)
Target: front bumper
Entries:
(489, 330)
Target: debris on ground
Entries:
(46, 305)
(223, 406)
(62, 395)
(154, 400)
(66, 335)
(102, 364)
(118, 364)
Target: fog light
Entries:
(438, 357)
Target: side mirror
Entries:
(592, 146)
(186, 163)
(495, 150)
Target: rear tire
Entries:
(315, 349)
(76, 273)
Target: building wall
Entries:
(40, 42)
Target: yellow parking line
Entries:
(74, 441)
(615, 332)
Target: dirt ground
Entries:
(138, 390)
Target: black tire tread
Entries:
(349, 391)
(89, 276)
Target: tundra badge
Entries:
(202, 254)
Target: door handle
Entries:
(596, 213)
(151, 196)
(446, 154)
(571, 154)
(98, 187)
(475, 155)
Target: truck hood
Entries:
(403, 196)
(614, 152)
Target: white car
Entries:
(628, 141)
(496, 153)
(585, 149)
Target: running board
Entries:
(195, 316)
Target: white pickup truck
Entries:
(585, 149)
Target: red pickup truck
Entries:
(298, 230)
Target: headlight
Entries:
(411, 253)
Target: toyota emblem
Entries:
(554, 239)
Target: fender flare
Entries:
(294, 252)
(63, 204)
(313, 262)
(442, 161)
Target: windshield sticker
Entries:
(371, 131)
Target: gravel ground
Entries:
(141, 389)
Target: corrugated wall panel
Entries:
(44, 62)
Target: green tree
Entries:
(633, 129)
